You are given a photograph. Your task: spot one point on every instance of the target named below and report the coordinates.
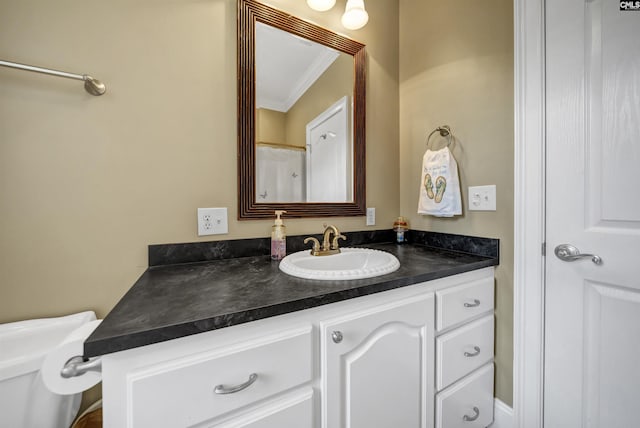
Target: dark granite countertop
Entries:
(172, 301)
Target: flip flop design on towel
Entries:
(441, 185)
(428, 186)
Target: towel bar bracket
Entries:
(91, 85)
(445, 132)
(77, 366)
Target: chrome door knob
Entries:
(336, 336)
(569, 253)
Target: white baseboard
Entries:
(502, 415)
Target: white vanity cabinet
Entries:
(376, 361)
(377, 366)
(464, 354)
(195, 381)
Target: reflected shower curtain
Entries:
(280, 175)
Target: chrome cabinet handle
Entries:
(475, 303)
(569, 253)
(221, 389)
(473, 354)
(468, 418)
(336, 336)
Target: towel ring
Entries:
(445, 131)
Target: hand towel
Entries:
(439, 185)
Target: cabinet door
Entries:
(377, 366)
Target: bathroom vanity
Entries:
(413, 348)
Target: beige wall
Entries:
(456, 68)
(86, 183)
(271, 126)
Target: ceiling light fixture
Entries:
(321, 5)
(355, 17)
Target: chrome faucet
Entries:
(328, 246)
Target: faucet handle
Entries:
(316, 244)
(334, 245)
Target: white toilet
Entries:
(25, 402)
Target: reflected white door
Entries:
(329, 155)
(592, 312)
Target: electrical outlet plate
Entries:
(482, 198)
(371, 216)
(212, 221)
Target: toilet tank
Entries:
(25, 402)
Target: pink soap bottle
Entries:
(278, 238)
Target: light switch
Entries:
(482, 198)
(371, 216)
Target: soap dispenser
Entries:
(278, 238)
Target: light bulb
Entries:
(321, 5)
(355, 16)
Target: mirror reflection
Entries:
(309, 129)
(303, 139)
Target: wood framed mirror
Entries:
(347, 195)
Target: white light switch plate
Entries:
(371, 216)
(212, 221)
(482, 198)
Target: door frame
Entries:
(529, 212)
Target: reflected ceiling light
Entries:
(355, 16)
(321, 5)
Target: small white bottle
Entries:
(400, 226)
(278, 238)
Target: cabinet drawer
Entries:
(463, 350)
(295, 411)
(471, 397)
(181, 392)
(458, 304)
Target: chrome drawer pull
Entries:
(475, 303)
(470, 354)
(336, 336)
(474, 417)
(221, 389)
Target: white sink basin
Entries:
(351, 263)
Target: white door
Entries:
(329, 155)
(377, 367)
(592, 312)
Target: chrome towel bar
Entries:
(91, 85)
